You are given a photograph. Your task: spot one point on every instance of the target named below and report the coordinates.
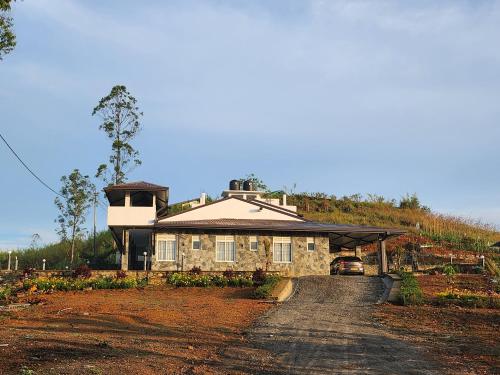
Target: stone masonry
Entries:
(304, 262)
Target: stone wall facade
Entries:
(304, 262)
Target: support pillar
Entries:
(383, 267)
(358, 251)
(124, 258)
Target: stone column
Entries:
(124, 258)
(382, 258)
(358, 251)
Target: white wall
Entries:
(230, 209)
(119, 215)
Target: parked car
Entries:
(347, 266)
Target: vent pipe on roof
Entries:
(203, 198)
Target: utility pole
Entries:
(95, 220)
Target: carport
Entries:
(353, 237)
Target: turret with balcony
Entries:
(132, 211)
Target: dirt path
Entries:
(327, 328)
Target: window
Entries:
(196, 242)
(282, 250)
(311, 246)
(254, 243)
(166, 249)
(225, 250)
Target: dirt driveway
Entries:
(327, 328)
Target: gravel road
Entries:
(326, 328)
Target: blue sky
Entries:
(384, 97)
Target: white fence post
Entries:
(43, 267)
(8, 263)
(17, 264)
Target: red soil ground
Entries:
(157, 330)
(466, 338)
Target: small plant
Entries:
(259, 276)
(228, 274)
(450, 272)
(26, 371)
(5, 294)
(195, 270)
(120, 274)
(28, 272)
(410, 291)
(82, 272)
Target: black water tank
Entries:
(234, 185)
(248, 185)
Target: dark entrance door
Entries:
(139, 242)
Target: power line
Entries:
(28, 168)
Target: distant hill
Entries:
(447, 233)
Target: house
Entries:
(242, 231)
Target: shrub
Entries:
(220, 281)
(82, 271)
(28, 272)
(410, 292)
(121, 274)
(188, 279)
(240, 282)
(259, 276)
(202, 281)
(195, 270)
(47, 285)
(5, 294)
(265, 290)
(180, 279)
(228, 274)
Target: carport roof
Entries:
(342, 235)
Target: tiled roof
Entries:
(136, 185)
(276, 225)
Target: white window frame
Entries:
(195, 238)
(166, 238)
(253, 239)
(282, 241)
(311, 240)
(228, 241)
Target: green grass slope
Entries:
(423, 225)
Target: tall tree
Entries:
(76, 197)
(120, 121)
(7, 36)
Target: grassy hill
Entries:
(423, 225)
